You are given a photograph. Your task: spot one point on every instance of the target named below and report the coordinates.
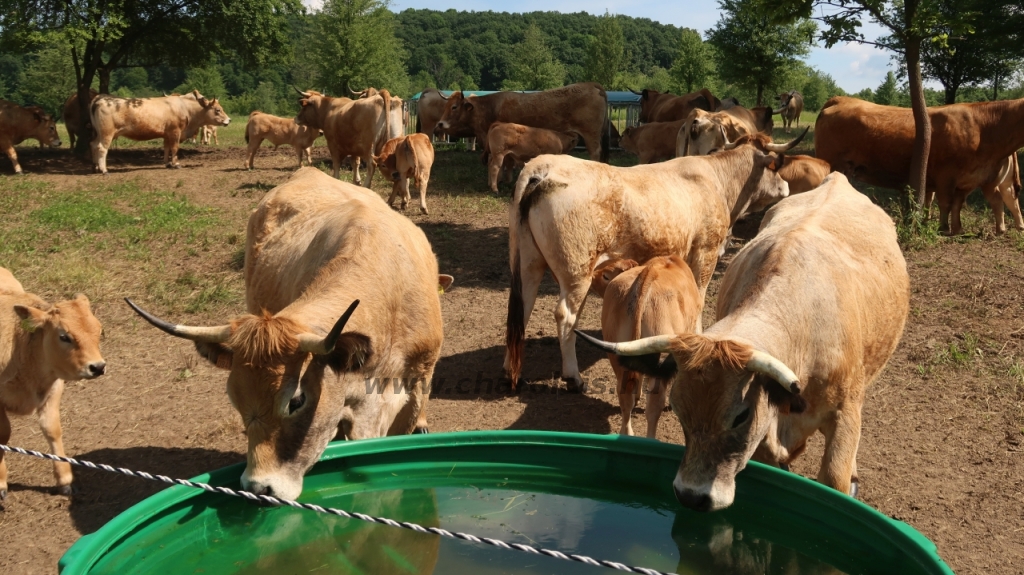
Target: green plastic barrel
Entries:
(605, 496)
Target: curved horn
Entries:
(443, 97)
(316, 345)
(761, 362)
(359, 93)
(635, 92)
(301, 93)
(655, 344)
(779, 111)
(213, 334)
(783, 148)
(728, 145)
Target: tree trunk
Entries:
(922, 124)
(995, 88)
(951, 94)
(104, 80)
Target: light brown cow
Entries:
(1001, 189)
(18, 123)
(208, 134)
(809, 312)
(72, 116)
(314, 247)
(802, 173)
(580, 108)
(874, 144)
(570, 215)
(791, 106)
(41, 347)
(279, 131)
(172, 118)
(702, 134)
(523, 144)
(354, 128)
(658, 107)
(652, 142)
(403, 158)
(657, 298)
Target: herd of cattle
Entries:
(808, 312)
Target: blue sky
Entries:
(853, 66)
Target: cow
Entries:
(580, 108)
(18, 123)
(173, 118)
(658, 107)
(791, 105)
(208, 134)
(728, 103)
(429, 109)
(809, 312)
(657, 298)
(874, 144)
(523, 144)
(802, 173)
(321, 256)
(569, 216)
(279, 131)
(1001, 188)
(42, 345)
(403, 158)
(700, 135)
(652, 142)
(72, 116)
(351, 127)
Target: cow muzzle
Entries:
(56, 143)
(275, 485)
(707, 497)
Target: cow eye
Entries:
(296, 403)
(741, 418)
(66, 338)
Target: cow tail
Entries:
(515, 325)
(387, 119)
(247, 124)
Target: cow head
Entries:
(458, 115)
(764, 143)
(569, 141)
(701, 134)
(606, 272)
(212, 113)
(289, 416)
(727, 396)
(309, 109)
(628, 141)
(45, 128)
(69, 335)
(386, 161)
(648, 98)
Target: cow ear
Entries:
(468, 105)
(218, 354)
(31, 318)
(784, 400)
(351, 352)
(650, 365)
(444, 282)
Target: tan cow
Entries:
(791, 106)
(72, 116)
(172, 118)
(403, 158)
(570, 216)
(658, 107)
(18, 123)
(657, 298)
(208, 134)
(41, 347)
(1001, 189)
(580, 108)
(701, 133)
(809, 312)
(523, 144)
(354, 128)
(279, 131)
(314, 247)
(652, 142)
(874, 144)
(802, 173)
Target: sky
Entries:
(853, 66)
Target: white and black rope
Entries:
(340, 512)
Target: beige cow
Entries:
(18, 124)
(278, 131)
(522, 144)
(351, 127)
(403, 158)
(41, 347)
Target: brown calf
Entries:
(72, 116)
(652, 142)
(523, 143)
(403, 158)
(41, 347)
(803, 173)
(18, 124)
(279, 131)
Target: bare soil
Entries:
(943, 439)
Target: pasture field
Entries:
(943, 439)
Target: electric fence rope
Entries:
(339, 512)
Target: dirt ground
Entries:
(943, 438)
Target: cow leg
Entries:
(404, 184)
(14, 159)
(955, 228)
(5, 436)
(494, 169)
(421, 183)
(423, 389)
(100, 147)
(395, 189)
(1012, 203)
(657, 396)
(626, 387)
(254, 146)
(371, 167)
(842, 438)
(49, 423)
(171, 151)
(944, 197)
(593, 143)
(995, 201)
(571, 299)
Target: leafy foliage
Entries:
(533, 66)
(605, 52)
(355, 46)
(694, 66)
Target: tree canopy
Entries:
(605, 52)
(694, 66)
(533, 66)
(355, 46)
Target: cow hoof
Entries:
(572, 385)
(424, 211)
(784, 466)
(3, 495)
(420, 431)
(66, 490)
(854, 487)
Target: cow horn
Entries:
(761, 362)
(783, 148)
(635, 92)
(317, 345)
(655, 344)
(213, 334)
(779, 111)
(725, 137)
(301, 93)
(354, 93)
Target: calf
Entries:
(1002, 188)
(41, 347)
(73, 116)
(657, 298)
(653, 142)
(523, 143)
(279, 131)
(802, 173)
(18, 124)
(403, 158)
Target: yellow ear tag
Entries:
(27, 326)
(440, 290)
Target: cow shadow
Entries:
(64, 162)
(101, 495)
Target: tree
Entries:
(755, 52)
(694, 65)
(103, 36)
(49, 79)
(887, 94)
(356, 47)
(534, 67)
(910, 23)
(605, 52)
(207, 80)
